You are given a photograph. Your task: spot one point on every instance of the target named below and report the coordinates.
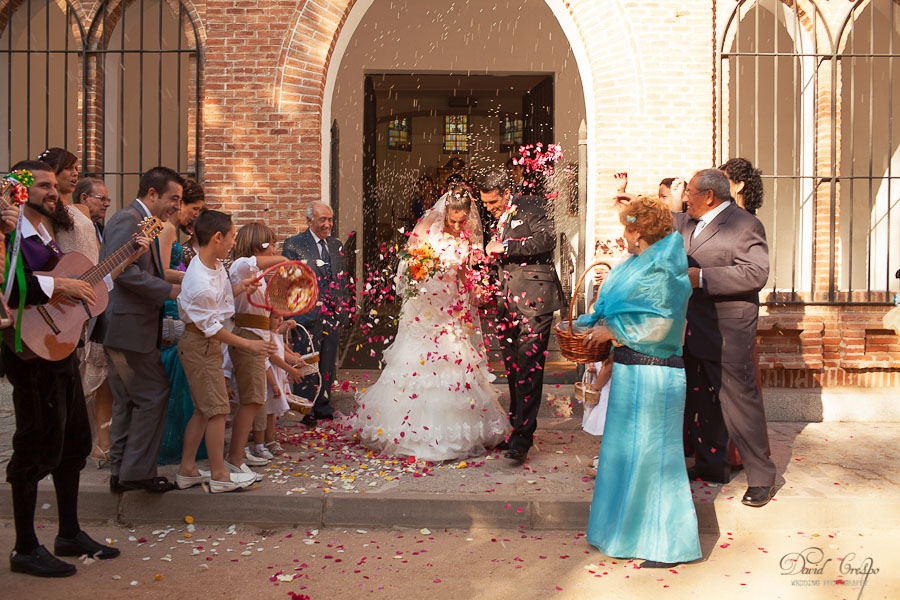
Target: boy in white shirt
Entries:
(205, 304)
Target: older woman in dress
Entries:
(642, 505)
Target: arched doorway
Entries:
(400, 97)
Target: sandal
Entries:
(102, 459)
(275, 448)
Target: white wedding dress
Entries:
(434, 399)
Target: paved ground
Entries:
(171, 560)
(836, 475)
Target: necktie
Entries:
(326, 256)
(698, 228)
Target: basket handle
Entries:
(578, 285)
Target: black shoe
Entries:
(83, 544)
(309, 421)
(40, 563)
(516, 455)
(758, 495)
(504, 445)
(695, 474)
(115, 487)
(154, 485)
(329, 417)
(655, 564)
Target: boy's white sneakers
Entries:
(237, 481)
(184, 481)
(243, 469)
(253, 460)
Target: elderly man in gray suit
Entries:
(130, 331)
(728, 264)
(324, 253)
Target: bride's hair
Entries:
(458, 198)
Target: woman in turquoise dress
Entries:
(642, 505)
(180, 406)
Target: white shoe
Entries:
(261, 453)
(185, 481)
(237, 481)
(254, 460)
(243, 469)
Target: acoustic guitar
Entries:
(52, 330)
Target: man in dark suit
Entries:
(728, 263)
(530, 293)
(325, 254)
(130, 331)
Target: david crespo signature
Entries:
(812, 561)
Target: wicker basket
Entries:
(571, 343)
(298, 404)
(584, 393)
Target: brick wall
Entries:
(654, 70)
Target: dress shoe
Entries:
(655, 564)
(82, 544)
(39, 563)
(694, 474)
(115, 487)
(504, 445)
(154, 485)
(516, 455)
(758, 495)
(308, 420)
(324, 417)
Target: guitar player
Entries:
(52, 432)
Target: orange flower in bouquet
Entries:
(422, 262)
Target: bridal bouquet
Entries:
(422, 262)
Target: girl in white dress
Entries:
(434, 399)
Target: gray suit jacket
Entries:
(733, 254)
(528, 277)
(132, 320)
(303, 247)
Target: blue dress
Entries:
(642, 505)
(181, 408)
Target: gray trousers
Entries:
(140, 390)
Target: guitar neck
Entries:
(109, 264)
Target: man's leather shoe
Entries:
(504, 445)
(516, 454)
(309, 421)
(82, 544)
(694, 474)
(115, 487)
(154, 485)
(655, 564)
(39, 563)
(758, 495)
(328, 417)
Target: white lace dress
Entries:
(434, 399)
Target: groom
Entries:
(530, 293)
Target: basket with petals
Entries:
(571, 342)
(292, 288)
(583, 391)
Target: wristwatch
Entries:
(505, 246)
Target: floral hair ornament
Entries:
(20, 180)
(630, 218)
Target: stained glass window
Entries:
(456, 133)
(510, 133)
(400, 134)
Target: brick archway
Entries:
(601, 42)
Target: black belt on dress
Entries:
(626, 356)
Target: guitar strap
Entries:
(13, 264)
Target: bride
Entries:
(434, 399)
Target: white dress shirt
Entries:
(206, 299)
(705, 220)
(241, 269)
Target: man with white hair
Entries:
(325, 254)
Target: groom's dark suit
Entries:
(530, 294)
(722, 397)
